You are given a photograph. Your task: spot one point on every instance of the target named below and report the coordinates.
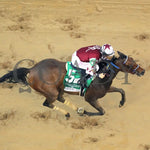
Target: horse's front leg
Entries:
(114, 89)
(97, 106)
(95, 103)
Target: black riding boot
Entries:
(83, 85)
(83, 82)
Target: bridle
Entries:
(125, 60)
(124, 63)
(134, 70)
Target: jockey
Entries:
(87, 58)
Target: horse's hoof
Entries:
(67, 116)
(102, 113)
(80, 111)
(121, 103)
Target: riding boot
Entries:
(83, 82)
(83, 85)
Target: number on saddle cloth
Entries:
(71, 80)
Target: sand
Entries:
(40, 29)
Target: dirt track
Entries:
(55, 29)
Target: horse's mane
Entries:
(114, 59)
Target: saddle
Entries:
(73, 79)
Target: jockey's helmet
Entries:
(107, 51)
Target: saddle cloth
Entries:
(72, 79)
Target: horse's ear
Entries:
(121, 55)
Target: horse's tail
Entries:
(16, 76)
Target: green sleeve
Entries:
(93, 61)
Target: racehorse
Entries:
(46, 77)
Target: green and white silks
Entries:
(71, 80)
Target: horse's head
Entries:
(128, 64)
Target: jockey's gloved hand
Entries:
(102, 75)
(91, 70)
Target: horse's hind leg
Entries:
(65, 100)
(114, 89)
(68, 103)
(48, 102)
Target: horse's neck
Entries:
(109, 79)
(116, 71)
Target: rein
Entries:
(111, 63)
(114, 65)
(117, 67)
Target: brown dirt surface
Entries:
(40, 29)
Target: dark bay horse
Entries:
(47, 77)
